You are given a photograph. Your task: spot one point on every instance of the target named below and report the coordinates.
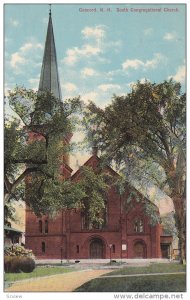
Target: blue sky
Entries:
(99, 53)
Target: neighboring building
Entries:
(12, 236)
(71, 235)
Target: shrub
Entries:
(27, 264)
(7, 263)
(18, 250)
(16, 264)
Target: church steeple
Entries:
(49, 78)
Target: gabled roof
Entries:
(89, 163)
(49, 78)
(96, 158)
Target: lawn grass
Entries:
(159, 283)
(156, 283)
(153, 268)
(38, 272)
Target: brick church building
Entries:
(123, 234)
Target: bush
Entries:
(27, 264)
(16, 264)
(18, 250)
(7, 263)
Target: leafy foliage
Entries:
(17, 264)
(144, 134)
(95, 186)
(145, 127)
(18, 250)
(35, 147)
(168, 222)
(35, 151)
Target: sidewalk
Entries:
(137, 275)
(67, 282)
(104, 261)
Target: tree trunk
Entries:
(180, 220)
(182, 245)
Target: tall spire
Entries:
(49, 78)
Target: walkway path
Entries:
(68, 282)
(57, 283)
(136, 275)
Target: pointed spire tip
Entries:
(49, 9)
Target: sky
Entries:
(99, 52)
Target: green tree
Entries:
(144, 134)
(95, 184)
(168, 223)
(34, 150)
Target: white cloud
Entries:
(22, 56)
(7, 88)
(180, 74)
(94, 46)
(107, 87)
(14, 22)
(90, 96)
(96, 32)
(69, 87)
(170, 36)
(34, 82)
(132, 84)
(88, 72)
(29, 46)
(148, 31)
(89, 50)
(17, 59)
(114, 73)
(71, 57)
(26, 47)
(45, 20)
(148, 64)
(144, 80)
(7, 40)
(114, 45)
(132, 63)
(155, 61)
(74, 54)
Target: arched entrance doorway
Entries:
(139, 249)
(96, 248)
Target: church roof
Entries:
(49, 78)
(90, 163)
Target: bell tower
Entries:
(49, 82)
(49, 78)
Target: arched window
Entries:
(113, 248)
(46, 226)
(77, 248)
(138, 225)
(40, 226)
(43, 247)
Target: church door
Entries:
(139, 250)
(96, 248)
(165, 249)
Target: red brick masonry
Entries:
(125, 234)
